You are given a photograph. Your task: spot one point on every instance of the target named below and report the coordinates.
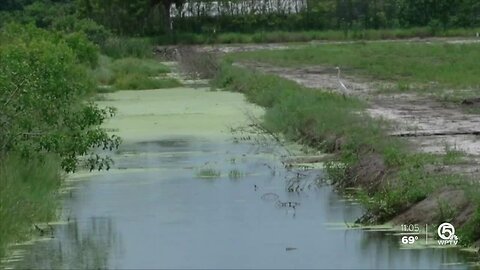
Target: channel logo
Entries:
(446, 232)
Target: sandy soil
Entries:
(431, 126)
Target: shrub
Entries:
(41, 91)
(45, 125)
(86, 51)
(96, 33)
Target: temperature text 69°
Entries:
(409, 239)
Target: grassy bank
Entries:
(28, 196)
(390, 178)
(48, 123)
(131, 73)
(302, 36)
(421, 67)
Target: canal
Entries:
(192, 189)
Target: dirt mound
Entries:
(445, 205)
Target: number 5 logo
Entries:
(446, 231)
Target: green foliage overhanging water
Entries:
(47, 122)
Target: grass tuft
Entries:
(235, 174)
(208, 173)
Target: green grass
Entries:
(27, 196)
(323, 119)
(431, 68)
(303, 36)
(235, 174)
(129, 65)
(137, 81)
(318, 117)
(120, 47)
(208, 173)
(471, 230)
(132, 74)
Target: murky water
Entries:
(156, 209)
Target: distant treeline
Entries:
(333, 15)
(154, 17)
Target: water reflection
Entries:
(169, 218)
(87, 245)
(388, 254)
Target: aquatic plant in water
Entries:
(208, 173)
(235, 174)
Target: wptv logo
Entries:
(446, 232)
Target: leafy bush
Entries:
(44, 13)
(42, 88)
(86, 51)
(60, 17)
(45, 124)
(96, 33)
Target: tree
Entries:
(128, 17)
(9, 5)
(43, 84)
(166, 5)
